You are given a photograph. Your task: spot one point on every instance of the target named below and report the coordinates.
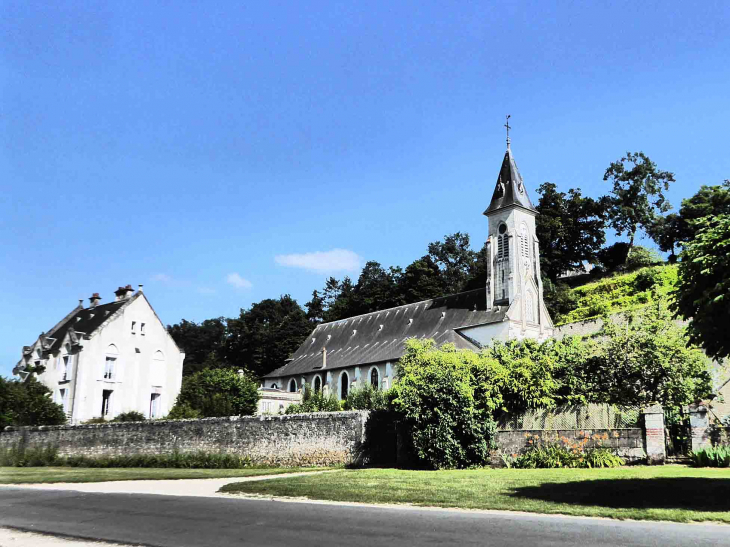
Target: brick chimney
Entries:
(94, 300)
(122, 293)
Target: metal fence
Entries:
(566, 417)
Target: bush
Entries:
(446, 398)
(191, 460)
(131, 416)
(28, 403)
(556, 455)
(20, 456)
(217, 392)
(647, 279)
(183, 411)
(641, 257)
(315, 401)
(97, 420)
(613, 256)
(366, 397)
(716, 456)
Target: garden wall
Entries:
(289, 440)
(628, 443)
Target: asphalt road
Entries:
(173, 521)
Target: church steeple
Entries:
(510, 189)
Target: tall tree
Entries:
(262, 338)
(199, 341)
(422, 280)
(454, 258)
(708, 201)
(667, 231)
(28, 403)
(571, 229)
(703, 289)
(638, 194)
(315, 308)
(376, 289)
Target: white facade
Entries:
(128, 362)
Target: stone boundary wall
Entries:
(324, 438)
(628, 443)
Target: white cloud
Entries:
(162, 277)
(238, 281)
(322, 261)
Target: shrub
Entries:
(446, 398)
(21, 456)
(131, 416)
(177, 460)
(640, 257)
(556, 455)
(714, 456)
(366, 397)
(97, 420)
(647, 279)
(315, 401)
(218, 392)
(183, 411)
(28, 403)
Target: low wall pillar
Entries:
(699, 423)
(654, 444)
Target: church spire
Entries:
(510, 189)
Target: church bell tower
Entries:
(513, 277)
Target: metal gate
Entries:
(677, 432)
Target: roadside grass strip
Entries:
(30, 475)
(671, 493)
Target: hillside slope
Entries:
(620, 293)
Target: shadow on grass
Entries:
(697, 494)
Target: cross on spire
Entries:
(508, 128)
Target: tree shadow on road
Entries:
(696, 494)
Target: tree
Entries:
(315, 308)
(28, 403)
(344, 304)
(262, 338)
(220, 392)
(667, 231)
(571, 229)
(376, 289)
(703, 290)
(198, 341)
(638, 194)
(422, 280)
(455, 260)
(647, 359)
(707, 202)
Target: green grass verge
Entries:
(674, 493)
(25, 475)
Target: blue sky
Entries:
(195, 146)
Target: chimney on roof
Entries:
(122, 293)
(139, 287)
(94, 300)
(324, 357)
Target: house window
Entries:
(293, 385)
(344, 385)
(66, 365)
(109, 368)
(317, 384)
(141, 329)
(374, 378)
(274, 386)
(134, 326)
(155, 405)
(63, 399)
(106, 401)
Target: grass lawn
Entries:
(669, 492)
(20, 475)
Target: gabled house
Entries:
(366, 348)
(106, 359)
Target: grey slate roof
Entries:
(380, 336)
(85, 320)
(510, 188)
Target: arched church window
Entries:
(374, 378)
(317, 384)
(292, 385)
(344, 385)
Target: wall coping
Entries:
(584, 429)
(251, 419)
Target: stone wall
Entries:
(293, 440)
(628, 443)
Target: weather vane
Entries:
(508, 128)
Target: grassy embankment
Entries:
(25, 475)
(674, 493)
(621, 292)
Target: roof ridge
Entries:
(396, 307)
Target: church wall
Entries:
(293, 440)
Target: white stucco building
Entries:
(365, 349)
(108, 358)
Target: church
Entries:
(340, 355)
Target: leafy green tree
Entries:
(559, 299)
(703, 290)
(315, 401)
(216, 392)
(198, 341)
(645, 360)
(638, 196)
(28, 403)
(344, 304)
(454, 258)
(263, 337)
(666, 231)
(376, 289)
(571, 229)
(709, 201)
(422, 280)
(315, 308)
(447, 398)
